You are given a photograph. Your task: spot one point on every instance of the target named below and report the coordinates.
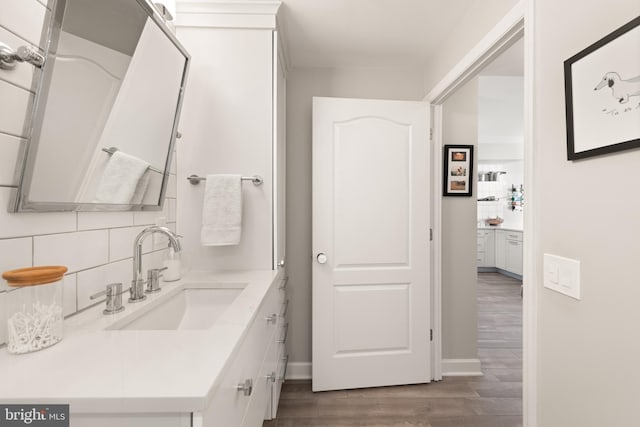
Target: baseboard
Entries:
(298, 371)
(501, 271)
(461, 368)
(450, 368)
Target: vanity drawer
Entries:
(259, 405)
(229, 405)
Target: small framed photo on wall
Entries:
(458, 170)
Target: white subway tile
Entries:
(69, 295)
(153, 260)
(172, 209)
(121, 242)
(24, 18)
(147, 217)
(15, 253)
(96, 279)
(9, 151)
(22, 75)
(95, 220)
(77, 251)
(13, 108)
(30, 224)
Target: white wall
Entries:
(481, 17)
(96, 246)
(588, 350)
(302, 85)
(227, 127)
(500, 144)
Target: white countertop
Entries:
(125, 371)
(500, 227)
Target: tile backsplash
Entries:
(97, 247)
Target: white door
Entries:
(371, 318)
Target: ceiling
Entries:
(367, 33)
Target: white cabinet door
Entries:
(501, 249)
(514, 256)
(486, 248)
(279, 157)
(371, 287)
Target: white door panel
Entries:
(371, 221)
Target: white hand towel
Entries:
(222, 210)
(141, 188)
(120, 178)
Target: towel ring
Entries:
(255, 179)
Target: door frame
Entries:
(511, 28)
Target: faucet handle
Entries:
(113, 293)
(153, 279)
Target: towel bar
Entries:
(112, 150)
(195, 179)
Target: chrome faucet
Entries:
(137, 284)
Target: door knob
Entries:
(321, 258)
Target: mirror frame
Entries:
(25, 165)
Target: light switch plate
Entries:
(562, 275)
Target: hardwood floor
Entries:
(493, 400)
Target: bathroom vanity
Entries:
(139, 368)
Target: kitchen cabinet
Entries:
(486, 248)
(513, 253)
(500, 250)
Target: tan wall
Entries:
(302, 85)
(588, 350)
(459, 271)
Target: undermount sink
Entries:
(191, 307)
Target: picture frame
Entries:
(458, 170)
(602, 95)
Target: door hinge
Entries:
(431, 134)
(431, 234)
(430, 334)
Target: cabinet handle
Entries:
(272, 319)
(511, 242)
(284, 338)
(321, 258)
(246, 387)
(281, 263)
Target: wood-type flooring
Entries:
(492, 400)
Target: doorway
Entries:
(504, 35)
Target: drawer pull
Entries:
(284, 338)
(285, 363)
(284, 311)
(272, 319)
(246, 387)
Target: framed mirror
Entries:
(106, 109)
